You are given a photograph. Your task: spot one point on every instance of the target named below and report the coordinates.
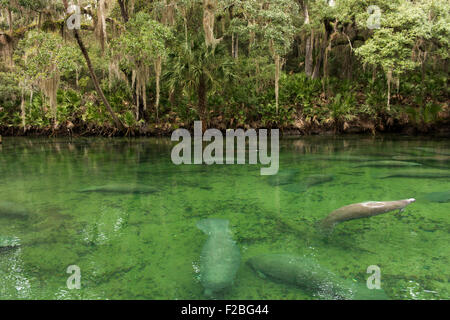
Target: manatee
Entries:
(307, 182)
(121, 188)
(445, 152)
(387, 164)
(419, 174)
(13, 210)
(220, 258)
(310, 276)
(362, 210)
(348, 158)
(283, 177)
(442, 197)
(436, 158)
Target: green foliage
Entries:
(411, 49)
(40, 55)
(143, 41)
(9, 96)
(428, 113)
(299, 90)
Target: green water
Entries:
(147, 246)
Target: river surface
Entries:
(147, 246)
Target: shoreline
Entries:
(441, 128)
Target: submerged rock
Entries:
(121, 188)
(13, 210)
(220, 258)
(311, 277)
(7, 243)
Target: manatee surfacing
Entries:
(220, 257)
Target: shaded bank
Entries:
(377, 126)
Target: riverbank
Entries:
(299, 128)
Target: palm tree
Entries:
(200, 70)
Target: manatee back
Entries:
(312, 277)
(220, 258)
(213, 225)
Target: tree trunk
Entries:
(322, 44)
(101, 24)
(236, 47)
(10, 20)
(308, 55)
(202, 97)
(22, 109)
(158, 65)
(99, 90)
(325, 63)
(209, 10)
(277, 79)
(232, 45)
(316, 72)
(389, 80)
(123, 11)
(308, 47)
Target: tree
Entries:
(143, 45)
(99, 90)
(272, 24)
(198, 69)
(41, 59)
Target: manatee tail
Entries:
(212, 225)
(326, 226)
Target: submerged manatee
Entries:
(362, 210)
(442, 197)
(347, 158)
(121, 188)
(445, 152)
(283, 177)
(13, 210)
(437, 158)
(308, 182)
(311, 277)
(387, 164)
(418, 174)
(220, 257)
